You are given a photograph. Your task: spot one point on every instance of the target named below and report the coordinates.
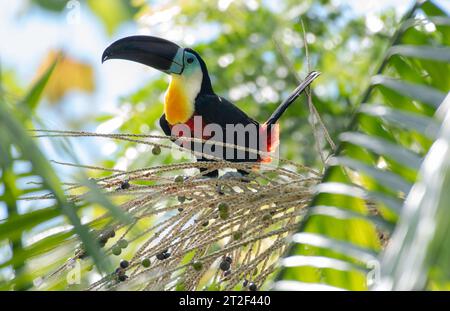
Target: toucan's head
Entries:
(160, 54)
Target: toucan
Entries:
(190, 98)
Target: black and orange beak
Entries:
(155, 52)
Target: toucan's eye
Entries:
(190, 60)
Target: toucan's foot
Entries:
(212, 174)
(239, 176)
(243, 172)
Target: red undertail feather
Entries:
(271, 140)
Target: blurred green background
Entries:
(255, 51)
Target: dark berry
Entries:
(223, 215)
(102, 244)
(227, 273)
(125, 185)
(228, 259)
(116, 250)
(179, 178)
(122, 243)
(197, 265)
(237, 235)
(267, 217)
(156, 150)
(225, 265)
(124, 264)
(145, 262)
(123, 277)
(223, 207)
(180, 209)
(103, 238)
(163, 255)
(181, 199)
(110, 233)
(252, 286)
(205, 223)
(245, 283)
(120, 271)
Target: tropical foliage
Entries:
(367, 210)
(364, 192)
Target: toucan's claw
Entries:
(235, 176)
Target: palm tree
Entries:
(379, 218)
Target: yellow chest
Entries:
(178, 106)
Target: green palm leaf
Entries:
(361, 197)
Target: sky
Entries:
(40, 31)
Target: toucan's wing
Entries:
(218, 110)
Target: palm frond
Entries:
(361, 197)
(199, 221)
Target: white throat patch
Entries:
(193, 84)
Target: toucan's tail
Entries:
(296, 93)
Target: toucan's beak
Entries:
(151, 51)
